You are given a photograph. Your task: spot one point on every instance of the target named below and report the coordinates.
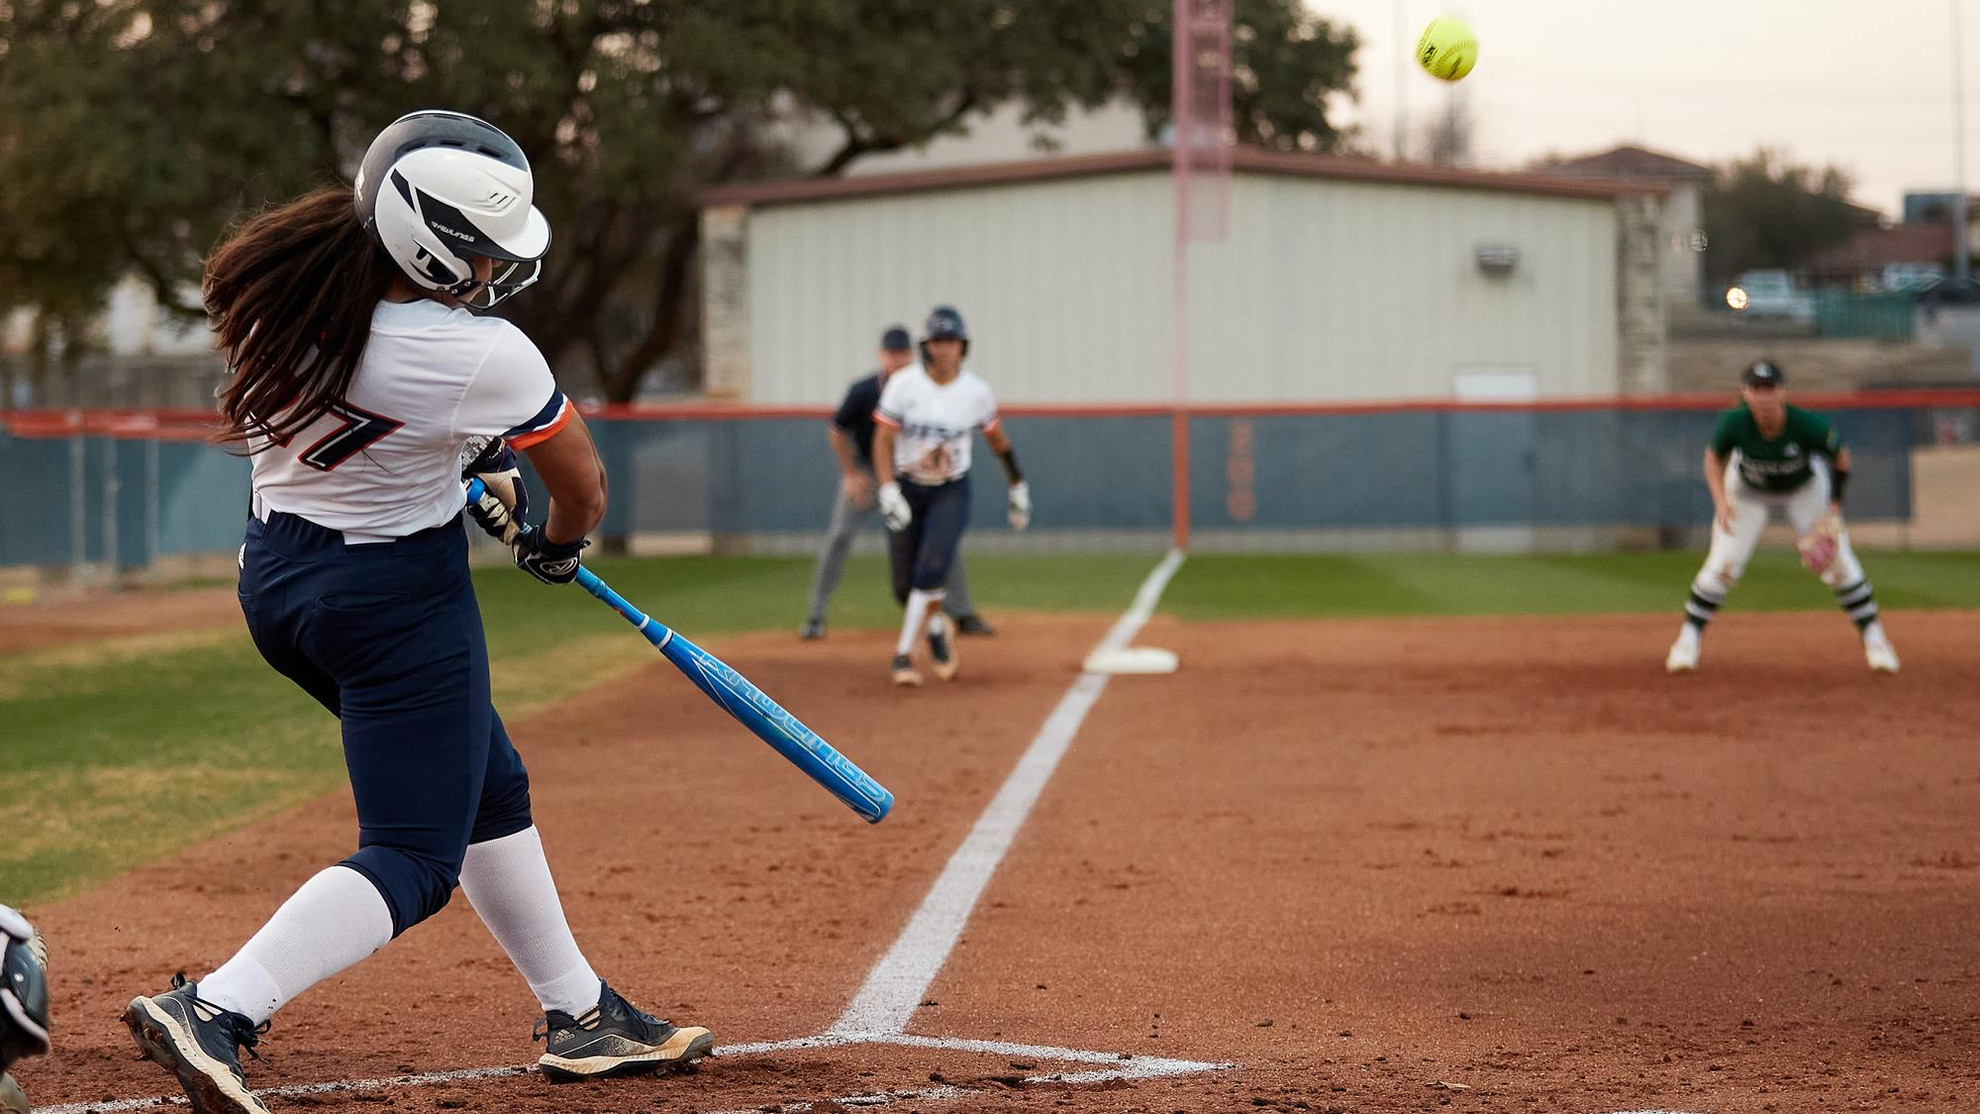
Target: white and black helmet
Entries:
(439, 188)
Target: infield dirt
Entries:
(1465, 864)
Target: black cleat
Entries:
(905, 674)
(973, 625)
(200, 1043)
(615, 1038)
(942, 647)
(812, 628)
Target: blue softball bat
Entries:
(751, 706)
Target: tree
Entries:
(133, 132)
(1766, 212)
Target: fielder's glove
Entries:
(548, 561)
(1819, 545)
(894, 509)
(1020, 505)
(504, 502)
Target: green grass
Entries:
(96, 738)
(1272, 587)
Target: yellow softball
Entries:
(1448, 49)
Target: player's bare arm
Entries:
(893, 505)
(574, 477)
(883, 452)
(854, 479)
(1019, 510)
(1715, 482)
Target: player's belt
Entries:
(258, 506)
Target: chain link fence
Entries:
(125, 491)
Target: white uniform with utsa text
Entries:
(934, 422)
(354, 584)
(933, 425)
(385, 464)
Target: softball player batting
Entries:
(921, 440)
(1766, 455)
(357, 378)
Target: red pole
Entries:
(1181, 72)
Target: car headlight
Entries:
(1736, 298)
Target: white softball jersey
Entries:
(933, 422)
(385, 461)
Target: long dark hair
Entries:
(291, 296)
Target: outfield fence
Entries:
(125, 489)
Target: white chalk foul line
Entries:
(1126, 1067)
(895, 987)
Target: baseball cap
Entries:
(895, 339)
(1762, 373)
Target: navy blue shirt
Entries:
(855, 415)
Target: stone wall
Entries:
(1816, 363)
(725, 301)
(1641, 358)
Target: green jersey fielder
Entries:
(1767, 455)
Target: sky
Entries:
(1865, 85)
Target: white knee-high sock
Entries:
(508, 882)
(919, 601)
(336, 919)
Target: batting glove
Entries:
(894, 509)
(504, 500)
(1020, 505)
(548, 561)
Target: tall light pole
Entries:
(1402, 75)
(1960, 264)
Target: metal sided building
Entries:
(1340, 280)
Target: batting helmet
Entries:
(23, 989)
(945, 323)
(437, 189)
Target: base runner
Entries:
(921, 442)
(1767, 455)
(850, 433)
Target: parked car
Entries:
(1770, 294)
(1909, 278)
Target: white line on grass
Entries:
(894, 988)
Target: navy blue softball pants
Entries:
(388, 637)
(922, 554)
